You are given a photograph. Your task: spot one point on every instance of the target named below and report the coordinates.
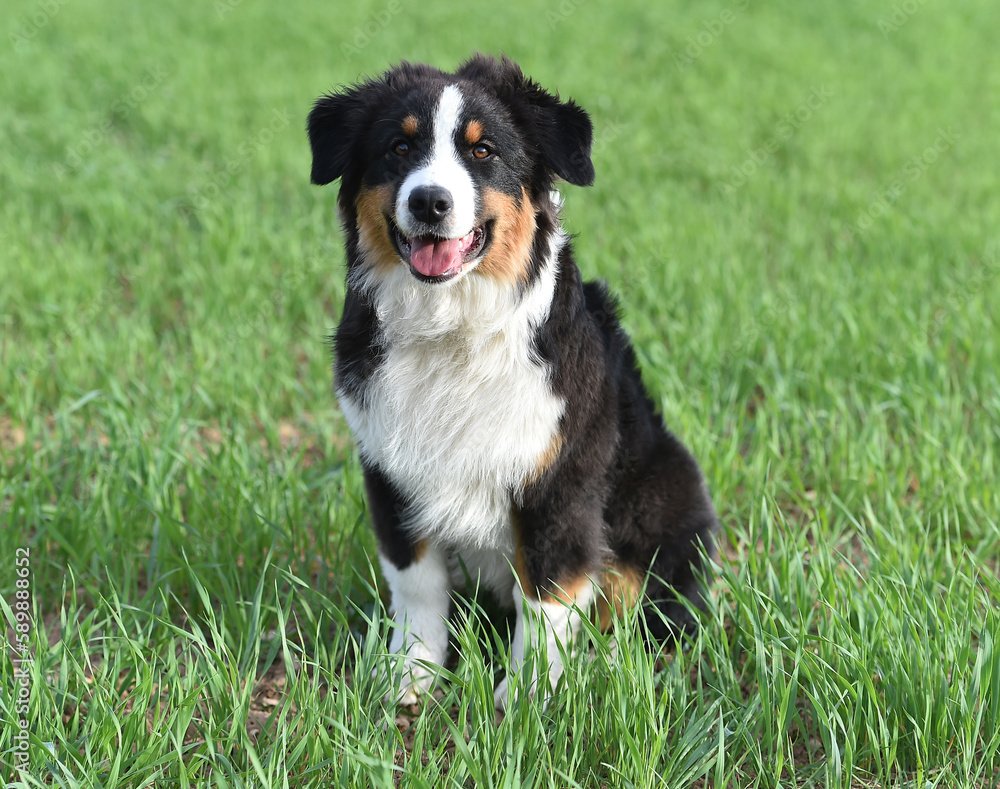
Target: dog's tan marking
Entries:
(473, 132)
(410, 125)
(545, 460)
(513, 231)
(566, 592)
(621, 586)
(419, 550)
(373, 231)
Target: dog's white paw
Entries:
(411, 690)
(417, 673)
(412, 693)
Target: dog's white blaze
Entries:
(461, 409)
(558, 624)
(420, 599)
(444, 168)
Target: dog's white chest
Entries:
(458, 427)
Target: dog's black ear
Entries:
(333, 129)
(337, 127)
(563, 130)
(340, 122)
(565, 136)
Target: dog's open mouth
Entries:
(436, 259)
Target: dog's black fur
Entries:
(615, 491)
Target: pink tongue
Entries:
(434, 257)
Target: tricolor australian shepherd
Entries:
(504, 430)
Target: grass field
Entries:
(799, 206)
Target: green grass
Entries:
(798, 206)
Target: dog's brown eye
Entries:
(401, 148)
(480, 151)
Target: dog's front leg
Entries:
(559, 547)
(420, 599)
(420, 588)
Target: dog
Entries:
(504, 431)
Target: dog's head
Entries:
(447, 173)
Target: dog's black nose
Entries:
(430, 204)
